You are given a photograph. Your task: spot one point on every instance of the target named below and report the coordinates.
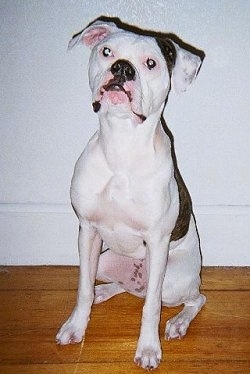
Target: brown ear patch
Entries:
(168, 50)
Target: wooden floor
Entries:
(34, 301)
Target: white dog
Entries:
(127, 192)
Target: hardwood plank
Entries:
(38, 277)
(170, 367)
(66, 277)
(225, 278)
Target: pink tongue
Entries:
(117, 97)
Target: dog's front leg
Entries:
(89, 243)
(148, 353)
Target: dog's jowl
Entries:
(137, 230)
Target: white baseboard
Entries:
(46, 234)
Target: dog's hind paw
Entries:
(104, 292)
(176, 328)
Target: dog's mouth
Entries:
(116, 91)
(117, 94)
(117, 87)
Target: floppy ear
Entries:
(185, 69)
(93, 33)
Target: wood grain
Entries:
(34, 301)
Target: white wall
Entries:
(46, 119)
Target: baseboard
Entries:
(46, 234)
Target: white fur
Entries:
(125, 194)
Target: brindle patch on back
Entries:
(185, 209)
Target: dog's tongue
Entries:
(117, 97)
(116, 93)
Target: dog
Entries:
(137, 231)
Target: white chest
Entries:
(116, 212)
(124, 203)
(112, 202)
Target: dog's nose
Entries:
(123, 69)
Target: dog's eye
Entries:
(151, 63)
(106, 52)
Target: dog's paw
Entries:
(148, 358)
(69, 334)
(176, 327)
(104, 292)
(72, 331)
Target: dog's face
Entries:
(129, 75)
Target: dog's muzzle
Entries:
(123, 72)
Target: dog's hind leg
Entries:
(182, 282)
(177, 326)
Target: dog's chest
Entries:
(111, 202)
(114, 205)
(109, 196)
(117, 189)
(123, 203)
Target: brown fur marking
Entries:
(185, 209)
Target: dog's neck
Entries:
(126, 143)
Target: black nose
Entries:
(123, 69)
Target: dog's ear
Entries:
(93, 33)
(186, 67)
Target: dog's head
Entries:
(132, 70)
